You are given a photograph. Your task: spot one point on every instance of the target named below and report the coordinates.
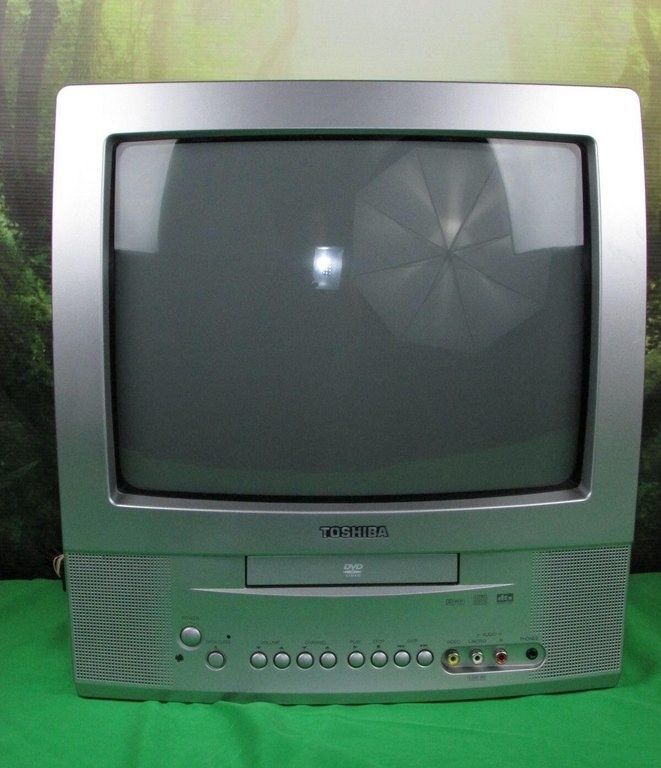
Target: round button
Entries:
(328, 660)
(305, 660)
(281, 660)
(425, 658)
(216, 660)
(356, 659)
(379, 659)
(190, 636)
(258, 660)
(402, 658)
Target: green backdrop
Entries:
(45, 44)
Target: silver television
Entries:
(348, 383)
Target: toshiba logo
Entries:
(354, 532)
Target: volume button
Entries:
(258, 660)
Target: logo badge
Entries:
(353, 570)
(353, 531)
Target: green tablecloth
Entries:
(44, 723)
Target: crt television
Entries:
(348, 387)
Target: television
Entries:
(348, 382)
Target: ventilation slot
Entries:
(577, 608)
(120, 609)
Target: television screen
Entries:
(349, 316)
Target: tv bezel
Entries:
(99, 516)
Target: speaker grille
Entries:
(577, 608)
(120, 617)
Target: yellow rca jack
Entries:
(452, 658)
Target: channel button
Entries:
(305, 660)
(328, 660)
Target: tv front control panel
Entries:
(454, 660)
(193, 631)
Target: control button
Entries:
(190, 636)
(328, 660)
(305, 660)
(425, 658)
(356, 659)
(216, 660)
(281, 660)
(379, 659)
(402, 658)
(258, 660)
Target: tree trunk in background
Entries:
(4, 117)
(159, 47)
(86, 41)
(28, 192)
(273, 61)
(5, 122)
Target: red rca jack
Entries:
(501, 656)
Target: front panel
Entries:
(189, 629)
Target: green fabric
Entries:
(44, 723)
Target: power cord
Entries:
(58, 567)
